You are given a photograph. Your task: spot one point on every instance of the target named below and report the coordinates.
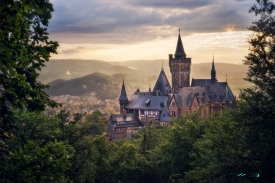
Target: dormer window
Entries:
(147, 103)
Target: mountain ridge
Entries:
(140, 73)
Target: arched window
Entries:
(173, 113)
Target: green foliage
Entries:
(238, 145)
(259, 102)
(215, 155)
(35, 153)
(97, 123)
(34, 163)
(24, 49)
(82, 134)
(129, 164)
(60, 148)
(234, 146)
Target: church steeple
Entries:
(123, 100)
(180, 50)
(213, 72)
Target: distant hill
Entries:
(105, 86)
(74, 68)
(137, 73)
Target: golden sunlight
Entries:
(230, 28)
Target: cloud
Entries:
(185, 4)
(124, 22)
(72, 50)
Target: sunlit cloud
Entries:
(141, 29)
(228, 48)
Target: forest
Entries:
(237, 145)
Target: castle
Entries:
(157, 107)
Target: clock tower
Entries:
(179, 68)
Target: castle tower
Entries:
(213, 73)
(123, 100)
(179, 68)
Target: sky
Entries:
(120, 30)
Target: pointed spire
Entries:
(213, 65)
(179, 50)
(213, 72)
(123, 95)
(226, 77)
(162, 66)
(149, 87)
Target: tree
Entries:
(215, 156)
(37, 153)
(261, 59)
(97, 123)
(59, 148)
(239, 146)
(258, 103)
(24, 49)
(35, 163)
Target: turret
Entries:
(123, 100)
(179, 68)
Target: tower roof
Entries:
(123, 95)
(180, 50)
(163, 84)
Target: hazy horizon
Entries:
(110, 61)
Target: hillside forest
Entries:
(237, 145)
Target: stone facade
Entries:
(210, 98)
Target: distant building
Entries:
(164, 102)
(208, 93)
(122, 125)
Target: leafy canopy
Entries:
(24, 48)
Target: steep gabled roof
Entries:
(200, 82)
(146, 102)
(175, 97)
(217, 91)
(123, 95)
(186, 96)
(163, 84)
(180, 50)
